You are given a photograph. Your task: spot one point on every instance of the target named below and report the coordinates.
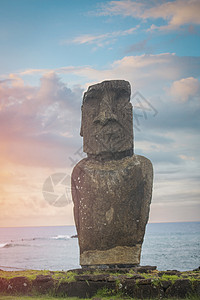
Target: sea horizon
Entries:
(30, 226)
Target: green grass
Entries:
(33, 298)
(60, 276)
(32, 274)
(74, 298)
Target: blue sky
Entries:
(51, 51)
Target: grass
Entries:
(32, 274)
(156, 277)
(75, 298)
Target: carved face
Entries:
(107, 118)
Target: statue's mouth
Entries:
(111, 136)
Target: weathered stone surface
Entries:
(131, 283)
(43, 284)
(3, 285)
(196, 287)
(111, 208)
(181, 288)
(18, 285)
(112, 188)
(145, 269)
(107, 121)
(83, 289)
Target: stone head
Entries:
(107, 119)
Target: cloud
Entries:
(101, 39)
(47, 117)
(141, 46)
(43, 120)
(147, 71)
(184, 89)
(175, 13)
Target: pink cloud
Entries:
(184, 89)
(38, 123)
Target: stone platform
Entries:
(142, 282)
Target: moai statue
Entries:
(112, 187)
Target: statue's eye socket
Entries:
(91, 96)
(123, 94)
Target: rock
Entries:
(3, 285)
(148, 291)
(172, 272)
(144, 281)
(141, 290)
(165, 284)
(111, 189)
(19, 285)
(43, 284)
(135, 276)
(74, 236)
(82, 289)
(91, 277)
(181, 288)
(118, 283)
(196, 287)
(145, 269)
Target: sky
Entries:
(50, 52)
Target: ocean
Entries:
(169, 246)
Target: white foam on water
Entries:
(60, 237)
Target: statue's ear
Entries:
(81, 130)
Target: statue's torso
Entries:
(111, 202)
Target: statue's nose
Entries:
(104, 117)
(105, 111)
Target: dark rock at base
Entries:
(137, 269)
(135, 276)
(145, 269)
(181, 288)
(3, 285)
(169, 272)
(74, 236)
(19, 285)
(141, 289)
(196, 288)
(148, 291)
(144, 281)
(43, 284)
(165, 284)
(130, 283)
(83, 289)
(100, 277)
(172, 272)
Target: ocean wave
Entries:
(5, 245)
(8, 245)
(60, 237)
